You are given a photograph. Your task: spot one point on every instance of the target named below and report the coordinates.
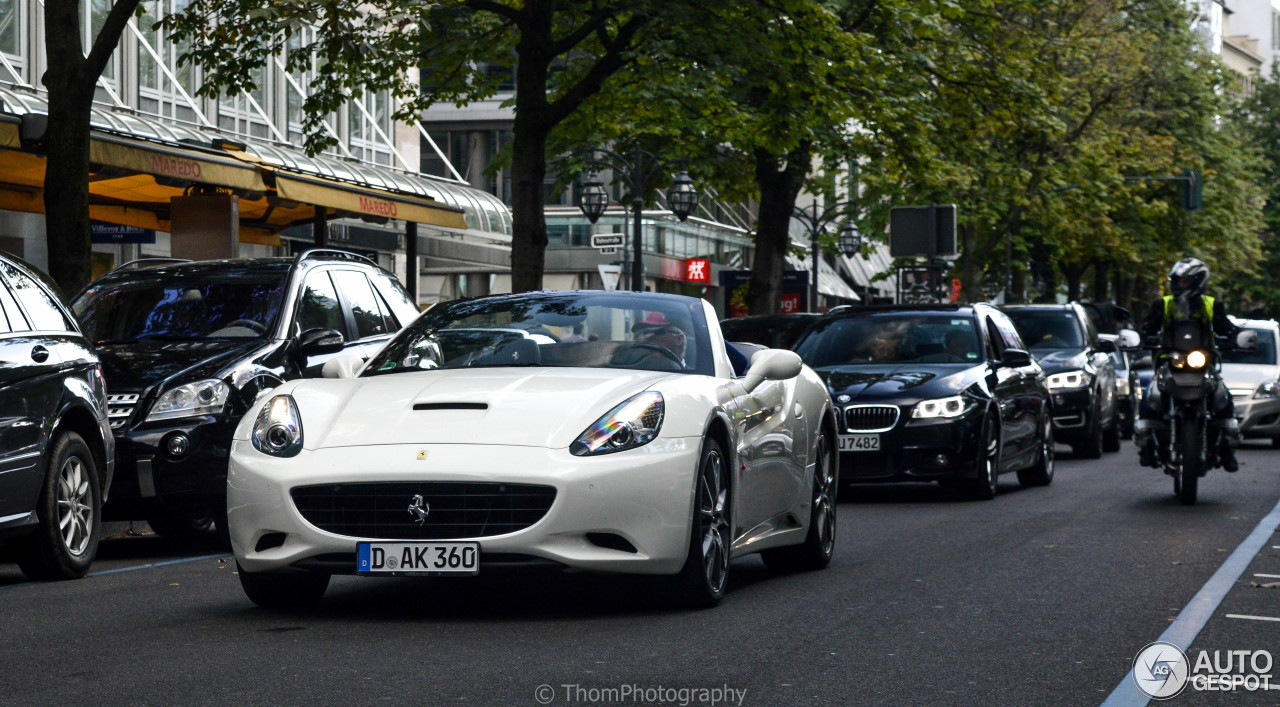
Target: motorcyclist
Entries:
(1187, 302)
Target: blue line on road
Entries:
(129, 569)
(1197, 613)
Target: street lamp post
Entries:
(638, 172)
(816, 219)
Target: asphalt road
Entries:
(1041, 597)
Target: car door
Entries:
(29, 391)
(320, 307)
(768, 448)
(1022, 436)
(1105, 370)
(1005, 384)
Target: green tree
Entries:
(564, 52)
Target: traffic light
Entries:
(1192, 190)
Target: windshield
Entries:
(911, 338)
(1048, 329)
(564, 329)
(1265, 354)
(182, 307)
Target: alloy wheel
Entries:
(824, 502)
(992, 461)
(75, 512)
(713, 495)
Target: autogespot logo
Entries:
(1161, 670)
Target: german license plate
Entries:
(418, 558)
(860, 443)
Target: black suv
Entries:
(188, 346)
(1080, 372)
(56, 449)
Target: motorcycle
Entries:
(1187, 377)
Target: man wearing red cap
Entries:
(659, 345)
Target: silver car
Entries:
(1253, 377)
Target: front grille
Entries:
(871, 418)
(120, 408)
(453, 510)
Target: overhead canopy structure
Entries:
(138, 165)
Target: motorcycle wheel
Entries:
(1191, 437)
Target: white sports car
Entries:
(594, 430)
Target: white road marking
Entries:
(1268, 576)
(1254, 618)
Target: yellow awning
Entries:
(364, 201)
(173, 163)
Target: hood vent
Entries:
(451, 406)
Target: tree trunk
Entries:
(529, 152)
(1101, 278)
(1073, 273)
(971, 275)
(528, 226)
(780, 184)
(66, 182)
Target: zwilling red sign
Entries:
(697, 270)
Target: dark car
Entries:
(56, 449)
(1128, 390)
(187, 346)
(933, 393)
(774, 331)
(1080, 372)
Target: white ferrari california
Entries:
(592, 431)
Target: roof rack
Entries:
(331, 254)
(148, 262)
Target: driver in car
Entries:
(658, 345)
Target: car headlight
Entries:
(632, 424)
(1067, 380)
(199, 398)
(278, 429)
(954, 406)
(1270, 389)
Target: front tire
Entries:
(820, 542)
(1091, 446)
(280, 590)
(69, 514)
(1111, 436)
(705, 576)
(1042, 473)
(985, 487)
(1191, 437)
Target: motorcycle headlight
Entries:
(278, 429)
(1122, 386)
(1067, 380)
(199, 398)
(1270, 389)
(632, 424)
(1197, 359)
(954, 406)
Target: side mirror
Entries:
(342, 367)
(318, 341)
(773, 365)
(1247, 340)
(1015, 358)
(1129, 340)
(1107, 345)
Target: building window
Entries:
(158, 94)
(366, 143)
(237, 115)
(12, 40)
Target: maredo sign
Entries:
(697, 270)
